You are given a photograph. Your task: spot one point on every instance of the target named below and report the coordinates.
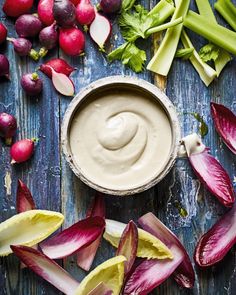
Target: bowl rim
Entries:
(143, 85)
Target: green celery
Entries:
(228, 10)
(164, 26)
(206, 73)
(162, 60)
(224, 57)
(127, 4)
(215, 33)
(184, 53)
(163, 9)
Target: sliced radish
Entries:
(209, 170)
(62, 83)
(46, 268)
(100, 30)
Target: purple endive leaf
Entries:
(85, 256)
(151, 273)
(101, 289)
(62, 83)
(24, 199)
(184, 274)
(225, 124)
(209, 170)
(46, 268)
(70, 240)
(128, 245)
(215, 244)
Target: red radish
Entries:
(48, 38)
(15, 8)
(22, 150)
(24, 199)
(64, 13)
(46, 268)
(32, 84)
(4, 66)
(216, 243)
(28, 25)
(71, 41)
(85, 256)
(75, 2)
(209, 170)
(62, 83)
(77, 236)
(184, 273)
(85, 12)
(128, 245)
(110, 6)
(100, 30)
(45, 12)
(59, 65)
(8, 126)
(23, 47)
(3, 33)
(225, 124)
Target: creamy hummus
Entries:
(120, 139)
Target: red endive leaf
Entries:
(216, 243)
(209, 170)
(24, 199)
(85, 256)
(70, 240)
(62, 83)
(184, 274)
(151, 273)
(128, 245)
(46, 268)
(101, 289)
(225, 123)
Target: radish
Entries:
(75, 2)
(48, 38)
(45, 12)
(85, 12)
(15, 8)
(64, 13)
(23, 47)
(100, 30)
(62, 83)
(4, 66)
(59, 65)
(3, 33)
(32, 84)
(71, 41)
(8, 126)
(110, 6)
(28, 25)
(22, 150)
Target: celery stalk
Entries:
(163, 58)
(206, 73)
(224, 57)
(215, 33)
(228, 10)
(164, 26)
(164, 9)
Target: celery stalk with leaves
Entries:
(211, 51)
(163, 58)
(228, 10)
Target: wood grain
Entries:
(55, 187)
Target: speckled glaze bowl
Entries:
(128, 83)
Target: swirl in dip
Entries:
(120, 139)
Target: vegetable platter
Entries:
(188, 201)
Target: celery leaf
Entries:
(209, 52)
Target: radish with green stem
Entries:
(28, 25)
(85, 12)
(32, 84)
(8, 126)
(23, 47)
(71, 41)
(3, 33)
(4, 66)
(45, 12)
(64, 13)
(100, 30)
(48, 38)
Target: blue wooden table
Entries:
(54, 186)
